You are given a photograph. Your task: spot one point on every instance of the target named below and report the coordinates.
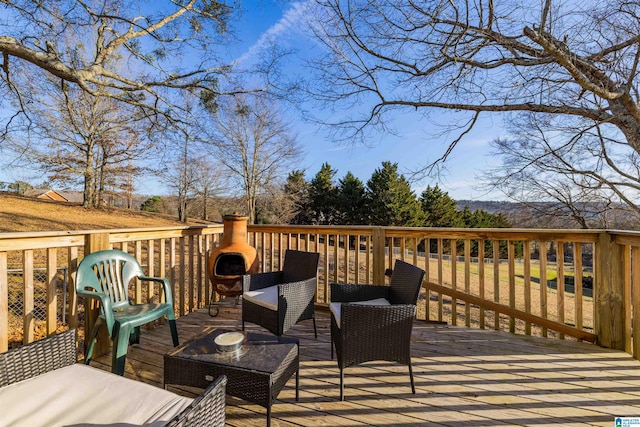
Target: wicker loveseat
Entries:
(42, 385)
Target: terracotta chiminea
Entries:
(233, 258)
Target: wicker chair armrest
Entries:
(297, 295)
(341, 292)
(30, 360)
(287, 288)
(252, 282)
(207, 410)
(355, 318)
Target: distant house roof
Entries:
(46, 195)
(72, 196)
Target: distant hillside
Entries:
(555, 215)
(19, 213)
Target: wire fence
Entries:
(16, 294)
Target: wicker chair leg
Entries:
(315, 331)
(413, 387)
(341, 384)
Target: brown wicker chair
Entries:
(278, 300)
(371, 322)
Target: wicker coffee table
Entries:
(257, 372)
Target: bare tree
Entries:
(584, 174)
(254, 143)
(210, 181)
(573, 61)
(87, 139)
(168, 46)
(276, 206)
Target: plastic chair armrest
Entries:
(166, 286)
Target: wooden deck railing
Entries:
(557, 283)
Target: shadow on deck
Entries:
(464, 377)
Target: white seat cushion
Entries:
(79, 395)
(335, 307)
(266, 297)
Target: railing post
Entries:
(379, 240)
(609, 312)
(93, 243)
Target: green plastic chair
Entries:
(105, 275)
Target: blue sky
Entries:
(413, 145)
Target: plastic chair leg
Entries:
(134, 338)
(174, 332)
(120, 347)
(92, 341)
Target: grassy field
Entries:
(19, 213)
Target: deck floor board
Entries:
(464, 377)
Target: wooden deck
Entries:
(464, 377)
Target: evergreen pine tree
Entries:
(440, 210)
(351, 201)
(323, 196)
(391, 200)
(297, 190)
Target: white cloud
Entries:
(289, 21)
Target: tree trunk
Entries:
(88, 193)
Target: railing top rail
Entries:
(626, 237)
(162, 233)
(362, 230)
(60, 239)
(37, 234)
(585, 236)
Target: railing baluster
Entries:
(467, 280)
(440, 296)
(481, 277)
(151, 271)
(28, 303)
(526, 253)
(72, 300)
(453, 243)
(627, 296)
(182, 277)
(560, 283)
(191, 290)
(543, 283)
(52, 300)
(345, 238)
(4, 303)
(496, 281)
(138, 287)
(577, 284)
(635, 298)
(512, 282)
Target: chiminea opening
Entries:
(230, 265)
